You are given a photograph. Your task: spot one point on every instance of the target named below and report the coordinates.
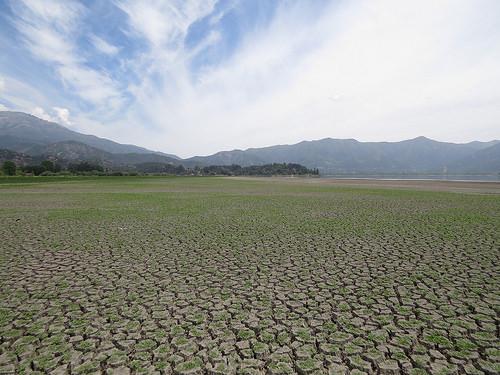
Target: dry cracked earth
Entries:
(222, 276)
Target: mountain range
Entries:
(29, 139)
(21, 132)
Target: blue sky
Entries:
(198, 76)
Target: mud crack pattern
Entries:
(219, 276)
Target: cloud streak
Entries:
(371, 70)
(49, 30)
(102, 46)
(397, 73)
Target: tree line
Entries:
(259, 170)
(48, 167)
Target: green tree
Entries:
(9, 168)
(33, 169)
(48, 165)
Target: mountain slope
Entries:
(329, 155)
(21, 131)
(19, 158)
(71, 151)
(483, 161)
(42, 139)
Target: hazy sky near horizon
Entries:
(199, 76)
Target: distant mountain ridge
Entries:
(418, 155)
(34, 139)
(486, 160)
(20, 131)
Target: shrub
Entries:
(9, 168)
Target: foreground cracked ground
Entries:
(223, 276)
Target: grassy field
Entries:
(199, 275)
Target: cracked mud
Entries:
(221, 276)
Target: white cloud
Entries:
(47, 28)
(50, 29)
(40, 112)
(395, 70)
(21, 96)
(102, 46)
(2, 88)
(62, 115)
(28, 99)
(93, 86)
(214, 19)
(61, 14)
(57, 114)
(371, 70)
(164, 23)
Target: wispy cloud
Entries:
(411, 71)
(20, 95)
(49, 30)
(164, 24)
(102, 46)
(198, 76)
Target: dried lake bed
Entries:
(193, 275)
